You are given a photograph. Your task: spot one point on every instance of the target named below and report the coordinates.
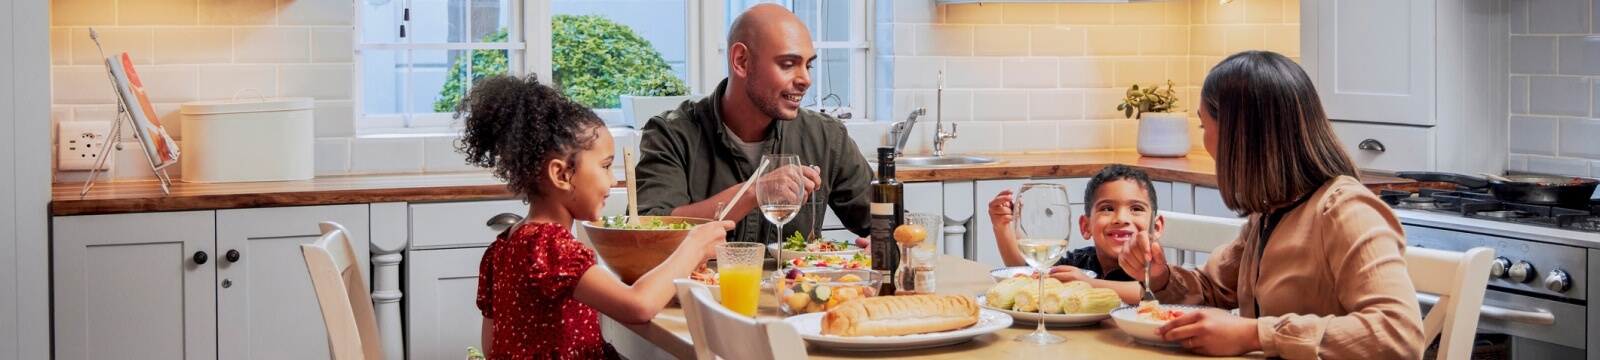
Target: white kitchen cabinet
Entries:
(130, 286)
(441, 303)
(1433, 70)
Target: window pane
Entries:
(831, 76)
(383, 78)
(437, 21)
(828, 20)
(653, 58)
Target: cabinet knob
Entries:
(200, 257)
(1371, 144)
(232, 256)
(503, 221)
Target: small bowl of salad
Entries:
(798, 247)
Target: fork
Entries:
(1148, 296)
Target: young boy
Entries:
(1119, 206)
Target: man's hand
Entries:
(789, 181)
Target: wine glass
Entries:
(780, 191)
(1043, 226)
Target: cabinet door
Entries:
(465, 223)
(268, 309)
(127, 286)
(442, 315)
(1372, 60)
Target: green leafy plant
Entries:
(1151, 99)
(594, 61)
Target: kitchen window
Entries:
(415, 57)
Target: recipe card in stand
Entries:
(810, 328)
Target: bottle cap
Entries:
(885, 150)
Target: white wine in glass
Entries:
(1043, 225)
(780, 192)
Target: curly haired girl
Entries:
(538, 287)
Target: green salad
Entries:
(621, 222)
(797, 242)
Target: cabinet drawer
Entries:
(1406, 148)
(455, 224)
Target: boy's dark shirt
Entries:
(1086, 259)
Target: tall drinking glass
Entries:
(780, 191)
(1043, 226)
(740, 278)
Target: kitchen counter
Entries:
(145, 196)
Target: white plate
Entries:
(791, 254)
(1059, 320)
(1144, 332)
(810, 328)
(1001, 274)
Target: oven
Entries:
(1545, 265)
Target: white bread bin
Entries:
(247, 140)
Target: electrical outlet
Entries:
(78, 145)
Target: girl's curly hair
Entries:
(514, 125)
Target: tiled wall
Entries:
(1045, 77)
(206, 50)
(1555, 86)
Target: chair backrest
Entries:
(1459, 279)
(342, 295)
(717, 331)
(1197, 233)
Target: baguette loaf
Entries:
(900, 315)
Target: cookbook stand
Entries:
(123, 114)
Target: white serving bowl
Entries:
(1127, 318)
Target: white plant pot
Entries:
(637, 110)
(1163, 134)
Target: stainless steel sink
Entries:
(944, 161)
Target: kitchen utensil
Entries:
(1530, 189)
(633, 186)
(1495, 177)
(742, 188)
(1148, 296)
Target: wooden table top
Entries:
(110, 197)
(955, 276)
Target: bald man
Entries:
(699, 154)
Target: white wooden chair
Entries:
(342, 294)
(1459, 279)
(1197, 233)
(717, 331)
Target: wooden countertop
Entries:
(145, 196)
(955, 276)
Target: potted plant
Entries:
(1163, 132)
(650, 96)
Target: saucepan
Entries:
(1531, 189)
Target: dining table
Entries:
(669, 331)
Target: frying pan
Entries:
(1531, 189)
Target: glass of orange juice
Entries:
(739, 269)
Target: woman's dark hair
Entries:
(1116, 172)
(1274, 142)
(515, 125)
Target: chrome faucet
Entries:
(901, 130)
(940, 136)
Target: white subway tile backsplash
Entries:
(169, 83)
(905, 40)
(1164, 40)
(958, 104)
(1519, 94)
(60, 113)
(1282, 39)
(237, 12)
(1143, 71)
(170, 117)
(156, 12)
(1086, 135)
(1055, 104)
(60, 46)
(332, 156)
(917, 72)
(385, 155)
(439, 155)
(80, 85)
(1533, 135)
(272, 44)
(193, 45)
(976, 137)
(1178, 72)
(1019, 13)
(1112, 41)
(1223, 13)
(1147, 13)
(974, 13)
(1517, 12)
(913, 11)
(1101, 104)
(323, 82)
(1533, 54)
(316, 12)
(224, 81)
(1030, 136)
(137, 42)
(1207, 40)
(332, 44)
(1517, 163)
(1558, 16)
(83, 12)
(1000, 105)
(1030, 73)
(1087, 72)
(1594, 170)
(1085, 14)
(1000, 40)
(1595, 103)
(1559, 95)
(334, 118)
(1244, 37)
(1579, 138)
(1178, 13)
(1263, 12)
(1558, 166)
(971, 73)
(1580, 54)
(868, 136)
(1127, 134)
(1059, 40)
(944, 40)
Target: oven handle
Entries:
(1537, 316)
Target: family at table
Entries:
(1317, 271)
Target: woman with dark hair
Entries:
(1319, 268)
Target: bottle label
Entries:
(883, 223)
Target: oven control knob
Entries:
(1522, 272)
(1558, 281)
(1498, 268)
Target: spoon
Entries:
(1496, 177)
(633, 187)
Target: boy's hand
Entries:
(706, 236)
(1069, 273)
(1000, 209)
(1132, 258)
